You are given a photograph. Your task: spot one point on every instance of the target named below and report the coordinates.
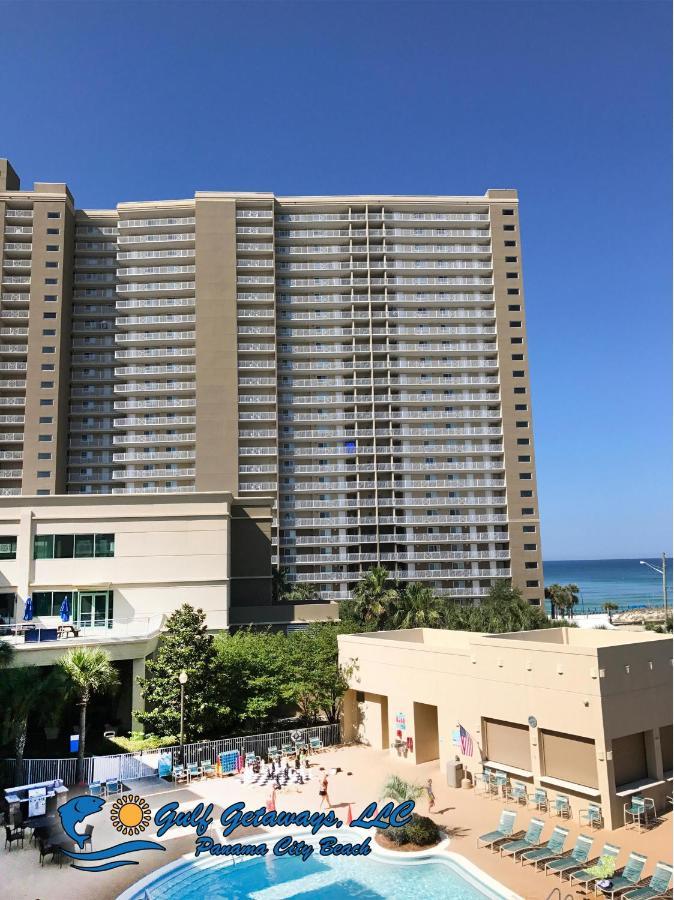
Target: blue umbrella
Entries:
(64, 612)
(28, 610)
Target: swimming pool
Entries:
(374, 877)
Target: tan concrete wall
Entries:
(472, 677)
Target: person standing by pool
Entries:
(323, 792)
(430, 795)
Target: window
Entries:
(43, 473)
(46, 384)
(519, 390)
(48, 332)
(43, 546)
(46, 401)
(514, 307)
(511, 259)
(523, 441)
(53, 215)
(515, 323)
(512, 275)
(526, 493)
(529, 529)
(47, 367)
(530, 565)
(44, 456)
(7, 547)
(48, 603)
(532, 584)
(43, 437)
(51, 264)
(527, 510)
(52, 247)
(42, 491)
(517, 357)
(50, 298)
(51, 281)
(530, 546)
(508, 212)
(507, 743)
(518, 373)
(49, 315)
(53, 231)
(516, 340)
(509, 243)
(522, 424)
(512, 292)
(569, 758)
(525, 476)
(48, 349)
(508, 227)
(63, 546)
(105, 545)
(84, 545)
(524, 459)
(46, 420)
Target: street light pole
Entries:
(663, 572)
(182, 678)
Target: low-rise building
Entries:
(586, 713)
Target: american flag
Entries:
(466, 741)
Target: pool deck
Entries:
(463, 813)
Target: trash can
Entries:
(454, 774)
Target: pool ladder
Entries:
(557, 892)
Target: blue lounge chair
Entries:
(96, 789)
(207, 768)
(315, 744)
(179, 774)
(504, 830)
(629, 877)
(287, 749)
(634, 811)
(562, 806)
(499, 785)
(250, 759)
(194, 771)
(530, 840)
(539, 799)
(517, 792)
(656, 887)
(604, 867)
(574, 860)
(553, 848)
(592, 815)
(112, 786)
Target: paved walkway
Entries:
(464, 814)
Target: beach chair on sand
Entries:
(504, 830)
(656, 887)
(553, 848)
(574, 860)
(601, 868)
(629, 876)
(530, 840)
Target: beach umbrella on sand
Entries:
(28, 610)
(64, 611)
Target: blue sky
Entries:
(568, 102)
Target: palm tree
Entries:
(563, 597)
(373, 596)
(89, 672)
(25, 692)
(280, 584)
(6, 654)
(303, 593)
(610, 608)
(399, 790)
(417, 607)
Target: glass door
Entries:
(95, 609)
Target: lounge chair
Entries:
(639, 811)
(250, 759)
(112, 786)
(194, 771)
(96, 789)
(539, 799)
(272, 752)
(503, 831)
(517, 792)
(656, 887)
(207, 768)
(629, 877)
(287, 749)
(592, 815)
(315, 744)
(574, 860)
(301, 745)
(553, 848)
(179, 774)
(562, 806)
(500, 785)
(485, 781)
(530, 840)
(604, 867)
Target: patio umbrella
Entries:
(64, 612)
(28, 610)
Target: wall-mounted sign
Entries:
(401, 722)
(74, 743)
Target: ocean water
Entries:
(623, 581)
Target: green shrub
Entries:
(422, 831)
(139, 741)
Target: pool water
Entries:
(328, 878)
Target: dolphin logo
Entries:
(77, 810)
(74, 811)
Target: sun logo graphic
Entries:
(130, 815)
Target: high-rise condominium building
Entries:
(362, 360)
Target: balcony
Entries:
(153, 456)
(158, 438)
(155, 489)
(110, 631)
(150, 474)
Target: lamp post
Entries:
(182, 678)
(663, 572)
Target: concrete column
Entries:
(656, 769)
(612, 806)
(24, 556)
(535, 750)
(137, 702)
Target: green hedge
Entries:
(419, 830)
(139, 741)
